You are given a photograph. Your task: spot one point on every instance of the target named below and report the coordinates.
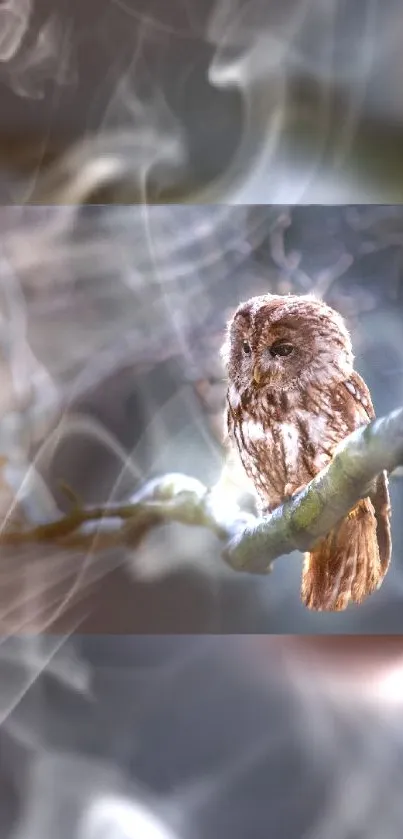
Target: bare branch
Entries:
(329, 275)
(250, 543)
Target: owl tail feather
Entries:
(345, 565)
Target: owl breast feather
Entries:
(271, 457)
(280, 456)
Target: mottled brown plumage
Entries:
(293, 395)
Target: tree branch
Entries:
(250, 543)
(316, 509)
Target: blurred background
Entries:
(115, 100)
(112, 321)
(170, 738)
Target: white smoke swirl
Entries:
(293, 82)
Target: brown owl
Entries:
(293, 395)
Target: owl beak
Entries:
(257, 375)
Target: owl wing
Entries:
(364, 411)
(361, 396)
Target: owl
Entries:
(292, 396)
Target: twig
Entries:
(329, 275)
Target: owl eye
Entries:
(281, 349)
(246, 348)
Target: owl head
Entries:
(286, 341)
